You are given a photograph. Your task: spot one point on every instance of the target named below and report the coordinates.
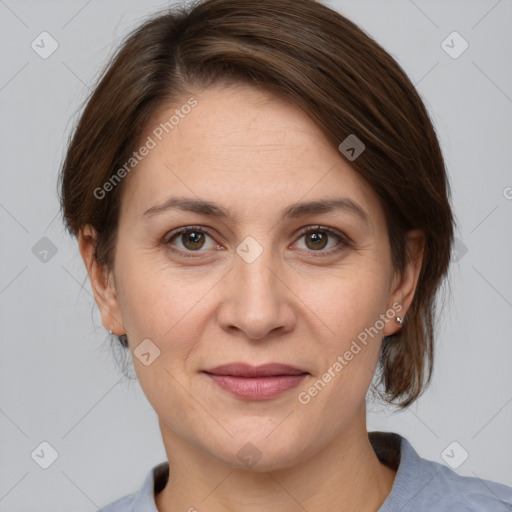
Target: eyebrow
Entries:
(294, 211)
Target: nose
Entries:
(257, 300)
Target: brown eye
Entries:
(316, 240)
(322, 241)
(192, 240)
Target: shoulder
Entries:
(453, 492)
(124, 504)
(422, 485)
(144, 499)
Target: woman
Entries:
(262, 205)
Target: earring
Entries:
(110, 330)
(400, 320)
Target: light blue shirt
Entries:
(420, 485)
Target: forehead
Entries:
(243, 148)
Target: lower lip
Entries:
(257, 388)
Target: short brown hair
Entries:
(324, 63)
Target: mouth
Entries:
(247, 370)
(256, 382)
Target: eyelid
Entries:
(344, 240)
(331, 231)
(183, 229)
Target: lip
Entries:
(256, 382)
(247, 370)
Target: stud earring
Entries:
(400, 320)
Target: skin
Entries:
(290, 305)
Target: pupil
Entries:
(318, 240)
(193, 239)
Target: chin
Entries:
(260, 452)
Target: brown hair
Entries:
(325, 64)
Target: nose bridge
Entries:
(256, 300)
(253, 270)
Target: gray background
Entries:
(59, 381)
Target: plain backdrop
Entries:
(59, 381)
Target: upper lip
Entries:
(247, 370)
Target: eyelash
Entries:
(343, 241)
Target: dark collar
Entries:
(387, 446)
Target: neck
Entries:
(345, 475)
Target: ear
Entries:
(404, 284)
(102, 282)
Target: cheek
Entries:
(171, 309)
(349, 302)
(170, 313)
(155, 300)
(351, 306)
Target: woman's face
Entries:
(247, 284)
